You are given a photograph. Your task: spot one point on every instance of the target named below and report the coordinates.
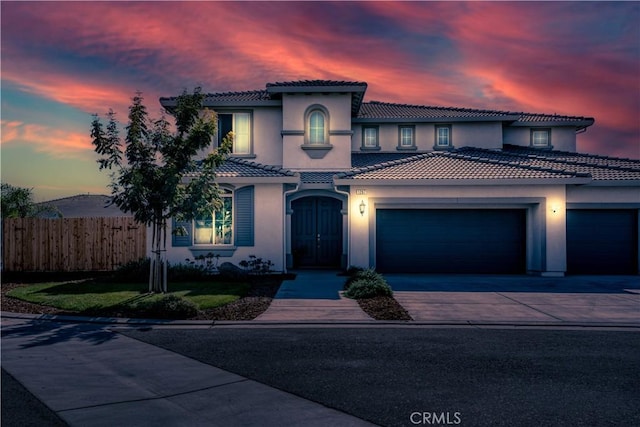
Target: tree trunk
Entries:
(158, 268)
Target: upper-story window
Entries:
(240, 125)
(317, 127)
(406, 138)
(541, 138)
(370, 138)
(443, 137)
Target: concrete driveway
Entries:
(518, 299)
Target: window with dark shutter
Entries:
(244, 216)
(181, 233)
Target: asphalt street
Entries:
(21, 408)
(408, 376)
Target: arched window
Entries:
(316, 127)
(316, 131)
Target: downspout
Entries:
(346, 194)
(284, 224)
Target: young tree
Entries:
(18, 202)
(156, 173)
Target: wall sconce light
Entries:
(362, 207)
(555, 208)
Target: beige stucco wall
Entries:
(480, 135)
(268, 232)
(293, 121)
(267, 140)
(546, 232)
(562, 138)
(606, 196)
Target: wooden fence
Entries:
(71, 244)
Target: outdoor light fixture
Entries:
(362, 207)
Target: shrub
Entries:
(358, 273)
(133, 271)
(368, 289)
(366, 284)
(257, 266)
(351, 271)
(171, 307)
(138, 272)
(229, 271)
(187, 272)
(208, 262)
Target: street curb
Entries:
(312, 324)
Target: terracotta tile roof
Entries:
(317, 177)
(235, 167)
(601, 168)
(375, 110)
(251, 95)
(360, 160)
(210, 98)
(535, 117)
(357, 89)
(385, 110)
(582, 158)
(453, 166)
(315, 83)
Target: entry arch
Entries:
(317, 229)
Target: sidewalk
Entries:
(314, 295)
(91, 376)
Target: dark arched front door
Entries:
(316, 227)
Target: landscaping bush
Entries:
(138, 272)
(170, 307)
(257, 266)
(187, 273)
(366, 284)
(368, 289)
(357, 273)
(133, 271)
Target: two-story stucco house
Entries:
(321, 178)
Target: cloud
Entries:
(59, 143)
(566, 58)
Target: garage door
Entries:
(451, 240)
(602, 241)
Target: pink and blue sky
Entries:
(63, 61)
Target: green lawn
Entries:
(88, 296)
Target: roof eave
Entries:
(549, 123)
(462, 182)
(360, 88)
(432, 119)
(170, 103)
(231, 104)
(294, 179)
(615, 183)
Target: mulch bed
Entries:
(384, 308)
(256, 302)
(15, 305)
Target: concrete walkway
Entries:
(314, 295)
(90, 376)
